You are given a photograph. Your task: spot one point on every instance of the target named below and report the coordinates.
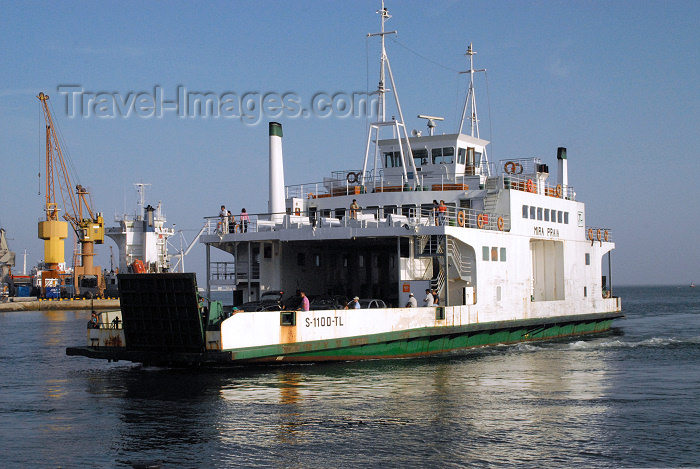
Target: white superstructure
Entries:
(142, 236)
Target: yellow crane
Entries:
(88, 225)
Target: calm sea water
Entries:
(630, 398)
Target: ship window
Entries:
(559, 216)
(325, 213)
(361, 261)
(408, 210)
(392, 159)
(539, 213)
(443, 155)
(532, 212)
(317, 260)
(494, 254)
(267, 251)
(389, 209)
(301, 260)
(546, 214)
(588, 258)
(470, 157)
(477, 158)
(420, 156)
(339, 213)
(461, 156)
(585, 291)
(566, 218)
(524, 211)
(485, 253)
(373, 209)
(426, 210)
(503, 254)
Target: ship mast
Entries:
(398, 125)
(470, 102)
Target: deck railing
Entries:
(365, 218)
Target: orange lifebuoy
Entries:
(500, 223)
(297, 212)
(311, 195)
(606, 237)
(480, 220)
(509, 167)
(530, 186)
(557, 191)
(598, 235)
(461, 218)
(590, 234)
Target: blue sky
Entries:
(615, 82)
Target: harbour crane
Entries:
(87, 224)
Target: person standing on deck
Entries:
(231, 222)
(304, 301)
(436, 298)
(412, 303)
(428, 300)
(245, 219)
(442, 211)
(223, 219)
(436, 205)
(354, 304)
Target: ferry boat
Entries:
(506, 249)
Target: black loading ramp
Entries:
(160, 312)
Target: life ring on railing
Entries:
(480, 220)
(461, 218)
(557, 191)
(509, 167)
(590, 234)
(530, 186)
(598, 235)
(500, 223)
(606, 236)
(351, 177)
(297, 211)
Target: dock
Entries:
(58, 304)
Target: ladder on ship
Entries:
(449, 262)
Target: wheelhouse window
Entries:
(503, 254)
(461, 156)
(494, 254)
(533, 210)
(566, 218)
(539, 213)
(392, 159)
(546, 214)
(420, 156)
(559, 216)
(524, 211)
(485, 253)
(443, 155)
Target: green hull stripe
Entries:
(429, 340)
